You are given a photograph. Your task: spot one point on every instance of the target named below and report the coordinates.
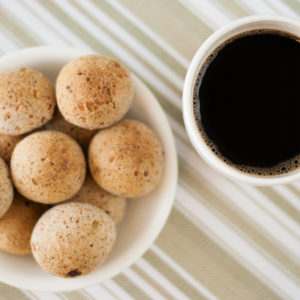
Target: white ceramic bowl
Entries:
(145, 217)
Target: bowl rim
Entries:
(156, 228)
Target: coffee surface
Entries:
(247, 102)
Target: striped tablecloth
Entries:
(223, 239)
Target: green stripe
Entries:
(214, 198)
(168, 107)
(243, 6)
(140, 36)
(173, 22)
(59, 296)
(51, 28)
(110, 291)
(171, 275)
(19, 30)
(75, 27)
(264, 209)
(277, 256)
(294, 190)
(129, 49)
(130, 287)
(10, 37)
(208, 263)
(279, 201)
(293, 4)
(73, 296)
(10, 293)
(151, 282)
(87, 295)
(297, 193)
(270, 4)
(232, 7)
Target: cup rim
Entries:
(188, 110)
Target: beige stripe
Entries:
(167, 106)
(293, 4)
(110, 291)
(73, 295)
(87, 295)
(17, 29)
(37, 295)
(208, 263)
(232, 7)
(10, 293)
(59, 295)
(151, 282)
(280, 202)
(140, 36)
(280, 7)
(214, 197)
(73, 26)
(58, 33)
(237, 186)
(295, 191)
(173, 22)
(172, 276)
(234, 244)
(130, 287)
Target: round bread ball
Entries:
(72, 239)
(80, 135)
(7, 145)
(126, 159)
(93, 194)
(48, 167)
(6, 188)
(94, 91)
(17, 224)
(27, 101)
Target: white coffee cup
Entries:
(216, 39)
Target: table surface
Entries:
(223, 239)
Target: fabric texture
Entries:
(223, 239)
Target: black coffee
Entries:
(247, 102)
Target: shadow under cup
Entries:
(210, 127)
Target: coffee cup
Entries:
(258, 23)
